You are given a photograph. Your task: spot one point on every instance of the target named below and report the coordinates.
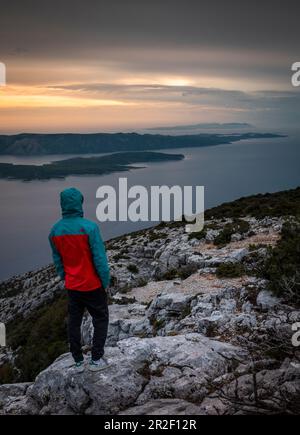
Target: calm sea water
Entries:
(28, 209)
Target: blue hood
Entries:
(71, 201)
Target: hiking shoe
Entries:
(78, 367)
(96, 366)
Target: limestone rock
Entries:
(266, 300)
(164, 407)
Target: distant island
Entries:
(28, 144)
(204, 126)
(83, 166)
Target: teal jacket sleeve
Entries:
(99, 256)
(57, 260)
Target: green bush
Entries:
(185, 271)
(132, 268)
(198, 234)
(237, 226)
(282, 264)
(284, 203)
(182, 272)
(157, 324)
(169, 275)
(202, 234)
(230, 270)
(142, 282)
(7, 374)
(152, 236)
(39, 339)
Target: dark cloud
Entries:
(224, 49)
(191, 95)
(77, 28)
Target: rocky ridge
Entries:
(183, 338)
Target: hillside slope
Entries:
(199, 324)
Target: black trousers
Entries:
(96, 303)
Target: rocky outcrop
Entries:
(265, 391)
(176, 367)
(182, 339)
(164, 407)
(125, 321)
(21, 296)
(266, 300)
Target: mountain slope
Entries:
(193, 324)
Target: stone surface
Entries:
(266, 300)
(164, 407)
(180, 340)
(125, 321)
(10, 391)
(133, 377)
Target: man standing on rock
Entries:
(80, 259)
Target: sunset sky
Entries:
(87, 66)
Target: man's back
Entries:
(78, 250)
(80, 259)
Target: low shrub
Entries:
(39, 339)
(132, 268)
(7, 374)
(237, 226)
(185, 271)
(230, 270)
(169, 275)
(284, 203)
(198, 234)
(282, 265)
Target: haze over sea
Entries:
(29, 209)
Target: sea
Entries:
(227, 172)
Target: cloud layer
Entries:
(129, 64)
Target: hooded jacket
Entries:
(77, 247)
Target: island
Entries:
(84, 165)
(28, 144)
